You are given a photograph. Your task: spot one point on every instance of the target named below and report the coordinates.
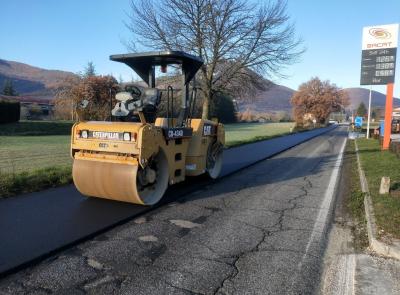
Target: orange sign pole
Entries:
(388, 116)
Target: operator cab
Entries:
(134, 99)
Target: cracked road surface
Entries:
(261, 230)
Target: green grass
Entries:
(377, 163)
(36, 180)
(29, 153)
(32, 163)
(36, 128)
(242, 133)
(355, 198)
(371, 124)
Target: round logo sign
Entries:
(379, 33)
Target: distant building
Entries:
(309, 117)
(338, 116)
(33, 108)
(396, 113)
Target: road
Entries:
(35, 225)
(261, 230)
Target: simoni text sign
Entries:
(379, 48)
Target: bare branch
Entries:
(233, 37)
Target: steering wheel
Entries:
(135, 91)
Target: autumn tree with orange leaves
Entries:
(94, 90)
(317, 99)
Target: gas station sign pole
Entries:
(388, 116)
(378, 65)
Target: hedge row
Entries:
(9, 111)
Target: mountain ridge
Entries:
(277, 98)
(32, 81)
(41, 83)
(359, 94)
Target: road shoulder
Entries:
(349, 265)
(390, 248)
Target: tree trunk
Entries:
(206, 107)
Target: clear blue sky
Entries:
(65, 35)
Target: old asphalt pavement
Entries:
(261, 230)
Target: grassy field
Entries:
(32, 163)
(28, 153)
(242, 133)
(377, 163)
(34, 155)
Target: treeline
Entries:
(99, 92)
(249, 116)
(9, 109)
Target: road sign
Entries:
(358, 122)
(379, 48)
(382, 128)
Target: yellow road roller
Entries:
(135, 156)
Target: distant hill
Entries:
(32, 81)
(41, 83)
(358, 95)
(275, 98)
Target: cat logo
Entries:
(207, 130)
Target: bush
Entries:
(9, 111)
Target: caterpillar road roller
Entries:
(135, 156)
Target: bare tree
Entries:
(231, 36)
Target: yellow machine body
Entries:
(106, 166)
(135, 162)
